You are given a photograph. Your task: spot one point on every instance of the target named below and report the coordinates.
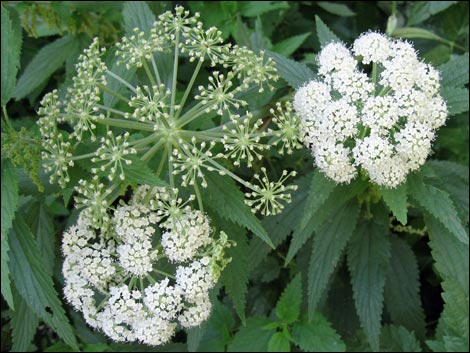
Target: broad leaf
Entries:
(396, 201)
(293, 72)
(194, 336)
(224, 198)
(278, 343)
(336, 9)
(402, 297)
(398, 339)
(422, 10)
(9, 205)
(317, 336)
(456, 99)
(290, 45)
(48, 60)
(137, 14)
(288, 306)
(438, 204)
(252, 337)
(11, 48)
(138, 173)
(454, 73)
(257, 8)
(328, 246)
(23, 325)
(111, 100)
(368, 255)
(415, 32)
(34, 284)
(325, 35)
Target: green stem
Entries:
(151, 279)
(162, 162)
(170, 165)
(111, 110)
(175, 74)
(120, 79)
(146, 140)
(83, 156)
(230, 174)
(148, 72)
(164, 273)
(113, 93)
(149, 154)
(198, 195)
(188, 89)
(155, 69)
(126, 124)
(186, 119)
(374, 76)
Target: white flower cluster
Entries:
(118, 276)
(384, 124)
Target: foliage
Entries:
(341, 267)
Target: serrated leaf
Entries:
(227, 200)
(137, 14)
(368, 256)
(438, 204)
(257, 8)
(23, 325)
(11, 48)
(317, 336)
(328, 245)
(454, 73)
(325, 35)
(398, 339)
(336, 9)
(10, 199)
(48, 60)
(422, 10)
(293, 72)
(139, 173)
(252, 337)
(42, 227)
(290, 45)
(278, 343)
(456, 99)
(235, 275)
(396, 200)
(402, 297)
(34, 284)
(288, 305)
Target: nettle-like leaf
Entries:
(454, 73)
(293, 72)
(336, 9)
(421, 11)
(438, 203)
(288, 305)
(137, 14)
(23, 325)
(252, 337)
(398, 339)
(456, 99)
(279, 343)
(34, 284)
(291, 44)
(325, 35)
(368, 256)
(396, 200)
(328, 245)
(317, 335)
(402, 297)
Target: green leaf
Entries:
(336, 9)
(34, 284)
(257, 8)
(110, 100)
(368, 255)
(278, 343)
(288, 306)
(456, 99)
(422, 10)
(325, 35)
(317, 336)
(227, 200)
(235, 275)
(10, 199)
(454, 73)
(293, 72)
(402, 297)
(48, 60)
(252, 337)
(415, 32)
(137, 14)
(290, 45)
(11, 48)
(398, 339)
(23, 325)
(328, 245)
(139, 173)
(438, 204)
(396, 201)
(194, 336)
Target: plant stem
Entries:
(149, 154)
(148, 72)
(164, 273)
(374, 76)
(198, 195)
(114, 93)
(175, 74)
(126, 124)
(111, 110)
(155, 69)
(120, 79)
(188, 89)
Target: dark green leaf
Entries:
(48, 60)
(139, 173)
(422, 10)
(290, 45)
(317, 336)
(252, 337)
(438, 204)
(288, 306)
(336, 9)
(454, 73)
(402, 297)
(194, 336)
(23, 325)
(109, 99)
(34, 284)
(398, 339)
(328, 245)
(292, 71)
(11, 48)
(278, 343)
(456, 99)
(224, 198)
(256, 8)
(137, 14)
(415, 32)
(396, 201)
(368, 255)
(325, 35)
(10, 199)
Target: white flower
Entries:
(164, 300)
(372, 46)
(335, 57)
(194, 280)
(196, 314)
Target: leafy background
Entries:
(346, 273)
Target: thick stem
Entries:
(155, 69)
(148, 72)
